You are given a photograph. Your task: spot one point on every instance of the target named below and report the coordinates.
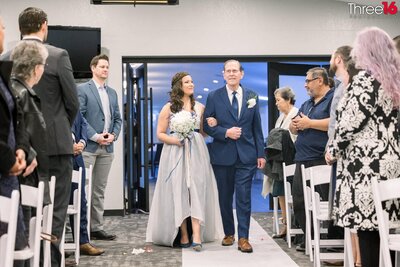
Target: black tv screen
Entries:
(82, 44)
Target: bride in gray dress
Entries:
(186, 185)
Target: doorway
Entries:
(262, 75)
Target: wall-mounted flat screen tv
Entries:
(82, 44)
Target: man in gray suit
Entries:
(99, 106)
(59, 103)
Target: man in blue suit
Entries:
(236, 151)
(79, 135)
(99, 106)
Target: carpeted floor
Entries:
(130, 231)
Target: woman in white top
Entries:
(284, 100)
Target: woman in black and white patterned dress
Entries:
(366, 141)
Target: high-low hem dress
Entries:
(186, 187)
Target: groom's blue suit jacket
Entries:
(250, 145)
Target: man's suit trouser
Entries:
(61, 168)
(237, 177)
(101, 161)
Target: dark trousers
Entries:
(61, 168)
(84, 237)
(230, 179)
(369, 248)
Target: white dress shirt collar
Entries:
(239, 96)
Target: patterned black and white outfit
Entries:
(366, 145)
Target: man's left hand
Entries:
(30, 168)
(261, 163)
(78, 148)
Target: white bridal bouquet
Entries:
(182, 124)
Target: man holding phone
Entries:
(99, 106)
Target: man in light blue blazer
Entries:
(236, 151)
(99, 106)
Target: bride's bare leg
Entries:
(184, 233)
(196, 231)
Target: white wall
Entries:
(203, 27)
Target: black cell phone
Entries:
(298, 115)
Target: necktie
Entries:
(235, 104)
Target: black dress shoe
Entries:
(101, 235)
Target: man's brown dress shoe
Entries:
(89, 249)
(228, 240)
(244, 245)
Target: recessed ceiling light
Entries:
(215, 81)
(199, 96)
(206, 89)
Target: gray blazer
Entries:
(92, 110)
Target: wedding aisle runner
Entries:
(266, 253)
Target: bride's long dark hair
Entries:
(176, 93)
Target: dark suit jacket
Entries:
(92, 110)
(250, 145)
(60, 104)
(7, 155)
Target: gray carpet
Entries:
(130, 231)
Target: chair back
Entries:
(9, 215)
(88, 193)
(32, 197)
(382, 191)
(288, 170)
(48, 223)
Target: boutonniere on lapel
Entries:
(251, 100)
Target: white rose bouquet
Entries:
(182, 124)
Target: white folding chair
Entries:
(8, 214)
(308, 209)
(289, 171)
(348, 249)
(383, 191)
(321, 175)
(88, 193)
(48, 223)
(32, 197)
(74, 209)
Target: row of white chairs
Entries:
(31, 197)
(40, 226)
(317, 213)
